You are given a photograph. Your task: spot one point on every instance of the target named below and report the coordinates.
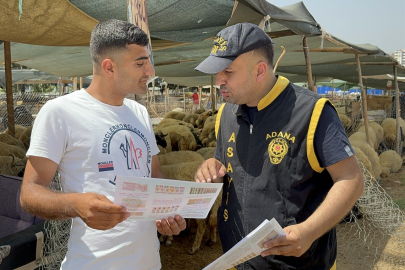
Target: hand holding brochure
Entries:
(249, 247)
(155, 199)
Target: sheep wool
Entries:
(175, 115)
(207, 152)
(6, 150)
(179, 157)
(371, 155)
(389, 126)
(182, 171)
(8, 139)
(19, 130)
(346, 122)
(391, 160)
(191, 118)
(362, 158)
(360, 136)
(180, 136)
(172, 122)
(371, 133)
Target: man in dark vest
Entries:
(281, 152)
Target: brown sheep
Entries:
(186, 171)
(175, 115)
(180, 136)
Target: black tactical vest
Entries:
(272, 171)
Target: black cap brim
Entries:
(213, 64)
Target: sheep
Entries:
(25, 137)
(371, 134)
(160, 139)
(175, 115)
(201, 119)
(361, 136)
(371, 155)
(19, 130)
(391, 160)
(8, 139)
(191, 118)
(208, 133)
(180, 157)
(346, 122)
(389, 126)
(378, 130)
(200, 111)
(207, 152)
(171, 122)
(180, 136)
(362, 158)
(10, 165)
(7, 149)
(185, 171)
(162, 150)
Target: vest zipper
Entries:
(251, 129)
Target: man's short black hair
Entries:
(266, 51)
(113, 35)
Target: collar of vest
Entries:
(277, 89)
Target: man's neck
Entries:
(104, 92)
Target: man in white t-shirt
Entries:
(89, 137)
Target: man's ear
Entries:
(108, 67)
(261, 71)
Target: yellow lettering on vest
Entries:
(292, 139)
(229, 168)
(230, 152)
(280, 134)
(232, 138)
(226, 214)
(273, 134)
(227, 196)
(230, 180)
(287, 136)
(268, 136)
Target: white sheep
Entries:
(391, 160)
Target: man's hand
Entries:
(295, 243)
(171, 226)
(98, 212)
(210, 170)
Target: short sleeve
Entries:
(48, 137)
(330, 142)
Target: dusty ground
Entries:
(361, 246)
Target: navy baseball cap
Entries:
(232, 42)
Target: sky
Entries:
(378, 22)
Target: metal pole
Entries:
(213, 98)
(9, 88)
(308, 64)
(398, 110)
(364, 98)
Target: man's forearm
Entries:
(48, 204)
(336, 205)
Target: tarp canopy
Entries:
(182, 32)
(28, 76)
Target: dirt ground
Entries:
(362, 249)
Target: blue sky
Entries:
(378, 22)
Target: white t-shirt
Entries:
(93, 142)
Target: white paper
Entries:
(249, 247)
(155, 199)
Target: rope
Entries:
(20, 9)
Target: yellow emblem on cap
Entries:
(278, 148)
(221, 44)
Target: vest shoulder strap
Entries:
(218, 120)
(316, 113)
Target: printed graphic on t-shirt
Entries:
(128, 147)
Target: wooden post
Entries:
(364, 98)
(184, 99)
(166, 98)
(308, 64)
(213, 97)
(398, 110)
(74, 83)
(9, 88)
(333, 89)
(200, 96)
(153, 92)
(81, 82)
